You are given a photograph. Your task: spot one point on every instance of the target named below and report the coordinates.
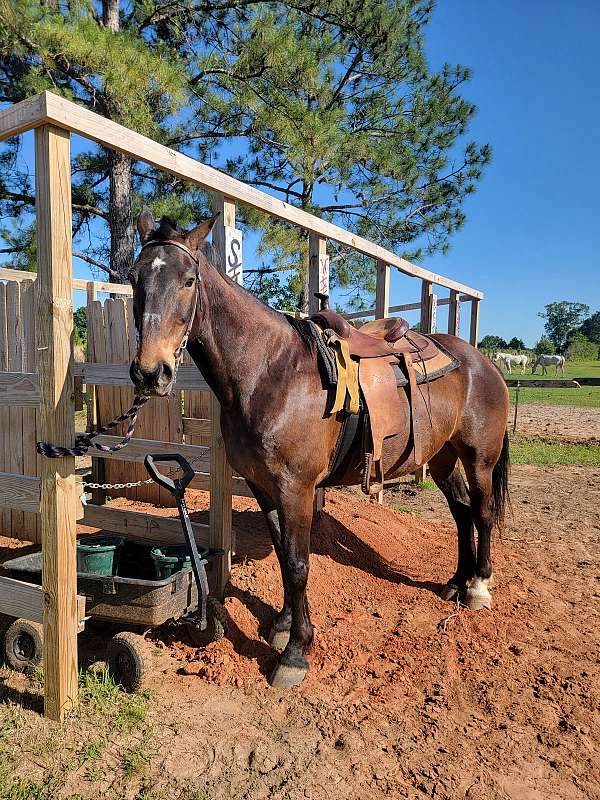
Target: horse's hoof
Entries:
(284, 677)
(278, 640)
(451, 591)
(478, 598)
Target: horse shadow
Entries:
(329, 537)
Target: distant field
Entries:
(585, 396)
(552, 454)
(573, 370)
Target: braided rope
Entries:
(83, 441)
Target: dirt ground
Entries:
(557, 423)
(408, 696)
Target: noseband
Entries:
(197, 299)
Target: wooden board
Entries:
(318, 271)
(20, 492)
(78, 283)
(453, 314)
(149, 527)
(48, 107)
(474, 329)
(57, 417)
(196, 427)
(26, 601)
(5, 515)
(138, 449)
(19, 389)
(14, 325)
(188, 377)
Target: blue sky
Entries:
(533, 227)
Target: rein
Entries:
(83, 441)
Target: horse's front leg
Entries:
(280, 627)
(295, 517)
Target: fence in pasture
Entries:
(37, 397)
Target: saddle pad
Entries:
(426, 372)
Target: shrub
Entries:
(581, 349)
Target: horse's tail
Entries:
(500, 493)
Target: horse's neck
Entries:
(236, 339)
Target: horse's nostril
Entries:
(166, 373)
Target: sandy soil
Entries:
(557, 423)
(408, 696)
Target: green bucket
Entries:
(170, 559)
(99, 555)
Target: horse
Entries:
(546, 361)
(510, 359)
(278, 434)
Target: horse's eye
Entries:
(189, 282)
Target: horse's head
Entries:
(166, 296)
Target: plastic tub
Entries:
(99, 555)
(170, 559)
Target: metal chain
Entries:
(130, 485)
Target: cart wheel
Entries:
(126, 657)
(23, 645)
(216, 627)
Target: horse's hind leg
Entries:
(445, 472)
(479, 476)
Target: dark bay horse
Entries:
(276, 430)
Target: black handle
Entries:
(162, 480)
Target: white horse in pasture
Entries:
(510, 360)
(547, 361)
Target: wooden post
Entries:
(474, 331)
(98, 495)
(318, 281)
(382, 291)
(382, 310)
(57, 416)
(428, 325)
(220, 533)
(454, 313)
(318, 270)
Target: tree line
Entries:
(569, 329)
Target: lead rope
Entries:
(83, 441)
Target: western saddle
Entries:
(372, 363)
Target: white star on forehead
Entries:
(158, 262)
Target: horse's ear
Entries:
(199, 234)
(145, 225)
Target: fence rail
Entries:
(45, 386)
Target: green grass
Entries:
(573, 370)
(554, 454)
(108, 735)
(585, 396)
(427, 485)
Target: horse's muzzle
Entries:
(157, 381)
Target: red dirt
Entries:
(410, 696)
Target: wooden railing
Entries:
(54, 493)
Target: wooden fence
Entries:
(47, 393)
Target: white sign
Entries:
(324, 274)
(433, 300)
(233, 255)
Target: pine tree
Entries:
(331, 106)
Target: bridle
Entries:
(197, 304)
